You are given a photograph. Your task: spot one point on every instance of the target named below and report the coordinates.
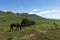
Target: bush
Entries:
(13, 38)
(26, 22)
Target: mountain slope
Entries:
(31, 16)
(6, 18)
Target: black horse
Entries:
(17, 25)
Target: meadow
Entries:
(42, 30)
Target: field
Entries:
(42, 30)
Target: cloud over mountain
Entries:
(47, 13)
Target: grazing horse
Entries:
(17, 25)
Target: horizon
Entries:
(44, 8)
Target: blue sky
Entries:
(44, 8)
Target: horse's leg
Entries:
(16, 29)
(20, 27)
(11, 29)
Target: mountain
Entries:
(6, 18)
(31, 16)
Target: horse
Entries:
(17, 25)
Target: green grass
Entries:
(41, 25)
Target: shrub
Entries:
(12, 38)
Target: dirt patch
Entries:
(19, 34)
(42, 31)
(5, 35)
(22, 34)
(27, 36)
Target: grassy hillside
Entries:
(6, 18)
(42, 30)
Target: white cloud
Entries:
(34, 11)
(4, 10)
(37, 11)
(47, 13)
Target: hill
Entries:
(42, 30)
(6, 18)
(31, 16)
